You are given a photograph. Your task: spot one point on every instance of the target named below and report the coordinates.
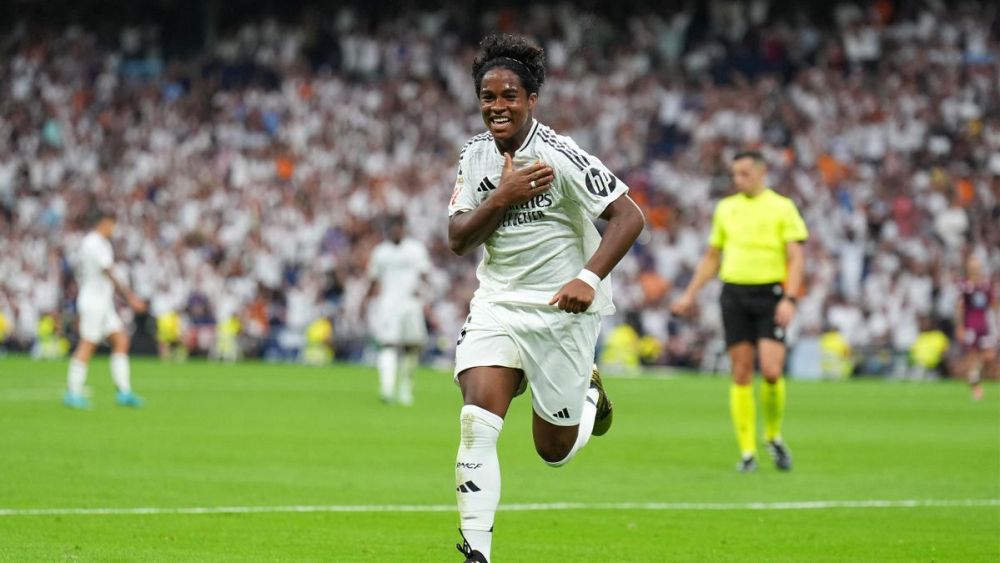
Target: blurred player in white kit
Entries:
(396, 269)
(98, 318)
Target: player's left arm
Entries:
(424, 266)
(373, 290)
(625, 222)
(995, 321)
(373, 270)
(134, 303)
(960, 319)
(785, 311)
(794, 233)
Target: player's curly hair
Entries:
(513, 52)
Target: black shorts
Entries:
(748, 312)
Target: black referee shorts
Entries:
(748, 312)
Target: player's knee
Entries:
(554, 458)
(770, 371)
(84, 351)
(742, 375)
(480, 428)
(554, 454)
(743, 379)
(742, 370)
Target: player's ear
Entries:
(532, 98)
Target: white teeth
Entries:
(499, 120)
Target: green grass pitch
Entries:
(258, 435)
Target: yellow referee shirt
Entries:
(752, 233)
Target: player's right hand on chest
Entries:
(520, 185)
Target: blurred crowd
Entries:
(251, 181)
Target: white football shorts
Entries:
(554, 349)
(98, 320)
(400, 322)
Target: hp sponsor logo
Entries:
(600, 182)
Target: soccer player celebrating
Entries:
(396, 268)
(973, 329)
(530, 197)
(757, 240)
(98, 318)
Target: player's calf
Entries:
(477, 478)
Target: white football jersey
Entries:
(542, 244)
(96, 256)
(398, 268)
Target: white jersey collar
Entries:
(527, 140)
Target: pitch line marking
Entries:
(525, 507)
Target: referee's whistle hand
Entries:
(136, 304)
(784, 313)
(574, 297)
(683, 306)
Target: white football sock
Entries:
(477, 476)
(387, 362)
(120, 372)
(586, 427)
(76, 377)
(406, 367)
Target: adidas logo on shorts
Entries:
(561, 414)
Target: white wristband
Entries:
(589, 278)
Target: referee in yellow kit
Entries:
(757, 238)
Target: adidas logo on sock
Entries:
(468, 487)
(561, 414)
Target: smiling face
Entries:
(506, 107)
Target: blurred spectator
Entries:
(227, 344)
(49, 343)
(169, 332)
(836, 361)
(319, 343)
(928, 351)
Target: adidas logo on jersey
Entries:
(486, 186)
(561, 414)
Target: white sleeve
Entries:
(463, 197)
(83, 258)
(591, 184)
(105, 256)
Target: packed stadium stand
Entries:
(252, 165)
